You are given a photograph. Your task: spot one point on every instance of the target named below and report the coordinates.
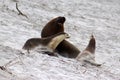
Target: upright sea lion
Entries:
(50, 42)
(65, 48)
(88, 55)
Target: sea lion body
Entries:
(65, 48)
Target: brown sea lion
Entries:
(88, 55)
(50, 42)
(65, 48)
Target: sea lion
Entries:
(50, 42)
(65, 48)
(88, 55)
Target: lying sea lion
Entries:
(50, 42)
(65, 48)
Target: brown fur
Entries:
(65, 48)
(48, 41)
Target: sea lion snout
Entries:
(60, 19)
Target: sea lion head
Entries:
(54, 26)
(60, 20)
